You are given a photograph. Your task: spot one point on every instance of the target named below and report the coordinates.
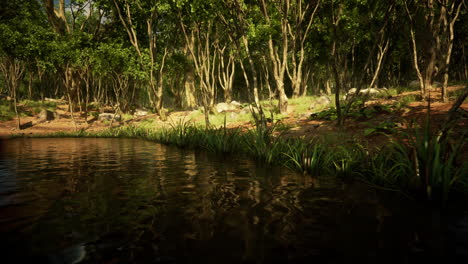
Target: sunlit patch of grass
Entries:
(196, 115)
(126, 117)
(51, 106)
(147, 123)
(219, 119)
(302, 104)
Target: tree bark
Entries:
(279, 61)
(452, 16)
(415, 53)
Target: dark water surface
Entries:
(132, 201)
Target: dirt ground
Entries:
(293, 126)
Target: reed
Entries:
(422, 162)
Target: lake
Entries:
(133, 201)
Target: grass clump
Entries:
(404, 101)
(6, 111)
(420, 163)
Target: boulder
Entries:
(367, 91)
(322, 101)
(415, 84)
(61, 100)
(46, 115)
(109, 117)
(236, 103)
(225, 107)
(140, 112)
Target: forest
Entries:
(178, 54)
(233, 131)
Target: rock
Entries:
(46, 115)
(352, 91)
(322, 101)
(61, 100)
(236, 103)
(109, 117)
(245, 110)
(367, 91)
(415, 84)
(225, 107)
(140, 112)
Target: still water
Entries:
(133, 201)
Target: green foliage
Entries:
(328, 114)
(6, 111)
(385, 127)
(305, 157)
(51, 106)
(404, 101)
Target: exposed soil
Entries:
(292, 126)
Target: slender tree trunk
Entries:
(252, 69)
(30, 82)
(415, 53)
(69, 86)
(450, 23)
(13, 70)
(380, 56)
(189, 89)
(279, 61)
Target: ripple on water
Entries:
(120, 200)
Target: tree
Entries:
(432, 21)
(22, 36)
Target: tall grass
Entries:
(422, 163)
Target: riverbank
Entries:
(398, 112)
(402, 155)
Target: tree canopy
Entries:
(186, 54)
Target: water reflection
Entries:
(121, 201)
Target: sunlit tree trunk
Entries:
(226, 71)
(199, 43)
(279, 55)
(300, 14)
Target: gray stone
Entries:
(322, 101)
(61, 100)
(225, 107)
(367, 91)
(46, 115)
(237, 104)
(109, 117)
(415, 84)
(140, 112)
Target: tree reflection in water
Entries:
(131, 201)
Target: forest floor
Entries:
(294, 124)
